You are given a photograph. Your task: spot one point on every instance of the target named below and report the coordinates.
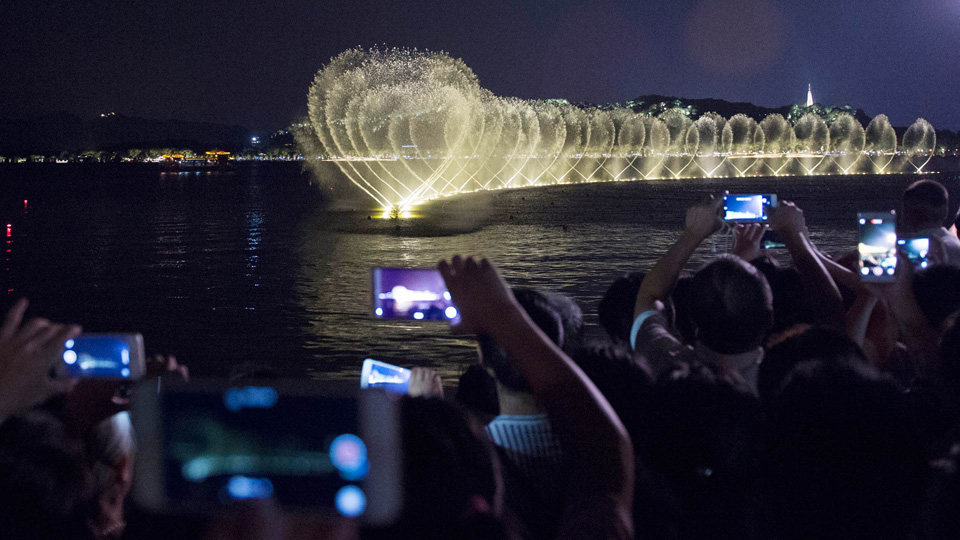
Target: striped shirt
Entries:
(534, 452)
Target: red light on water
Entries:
(9, 230)
(24, 205)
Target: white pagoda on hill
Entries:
(809, 95)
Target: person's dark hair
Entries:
(790, 306)
(680, 305)
(846, 458)
(451, 477)
(541, 311)
(618, 305)
(571, 318)
(925, 202)
(477, 391)
(623, 379)
(941, 521)
(705, 445)
(731, 305)
(46, 490)
(937, 289)
(616, 309)
(813, 344)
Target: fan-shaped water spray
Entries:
(407, 126)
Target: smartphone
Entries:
(110, 356)
(748, 208)
(917, 250)
(877, 246)
(411, 294)
(771, 240)
(206, 444)
(387, 376)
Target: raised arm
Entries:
(28, 352)
(592, 435)
(702, 220)
(788, 221)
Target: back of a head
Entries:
(941, 521)
(937, 290)
(730, 305)
(624, 381)
(46, 490)
(846, 458)
(925, 204)
(617, 306)
(452, 485)
(816, 343)
(950, 358)
(705, 440)
(789, 301)
(571, 318)
(540, 309)
(477, 391)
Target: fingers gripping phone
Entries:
(748, 208)
(204, 444)
(110, 356)
(412, 294)
(877, 247)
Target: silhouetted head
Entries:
(790, 306)
(617, 306)
(937, 289)
(541, 310)
(813, 344)
(623, 379)
(678, 309)
(452, 484)
(46, 490)
(730, 305)
(110, 449)
(705, 442)
(571, 318)
(950, 362)
(477, 391)
(941, 521)
(924, 205)
(846, 458)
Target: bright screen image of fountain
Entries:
(407, 126)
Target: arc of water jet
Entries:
(710, 173)
(892, 155)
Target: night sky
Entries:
(251, 62)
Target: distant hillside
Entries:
(723, 107)
(64, 132)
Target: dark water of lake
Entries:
(254, 266)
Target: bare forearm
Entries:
(586, 423)
(829, 304)
(858, 318)
(657, 283)
(840, 274)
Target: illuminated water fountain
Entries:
(407, 126)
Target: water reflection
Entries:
(233, 269)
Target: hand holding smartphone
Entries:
(748, 208)
(110, 356)
(877, 247)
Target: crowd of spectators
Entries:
(747, 400)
